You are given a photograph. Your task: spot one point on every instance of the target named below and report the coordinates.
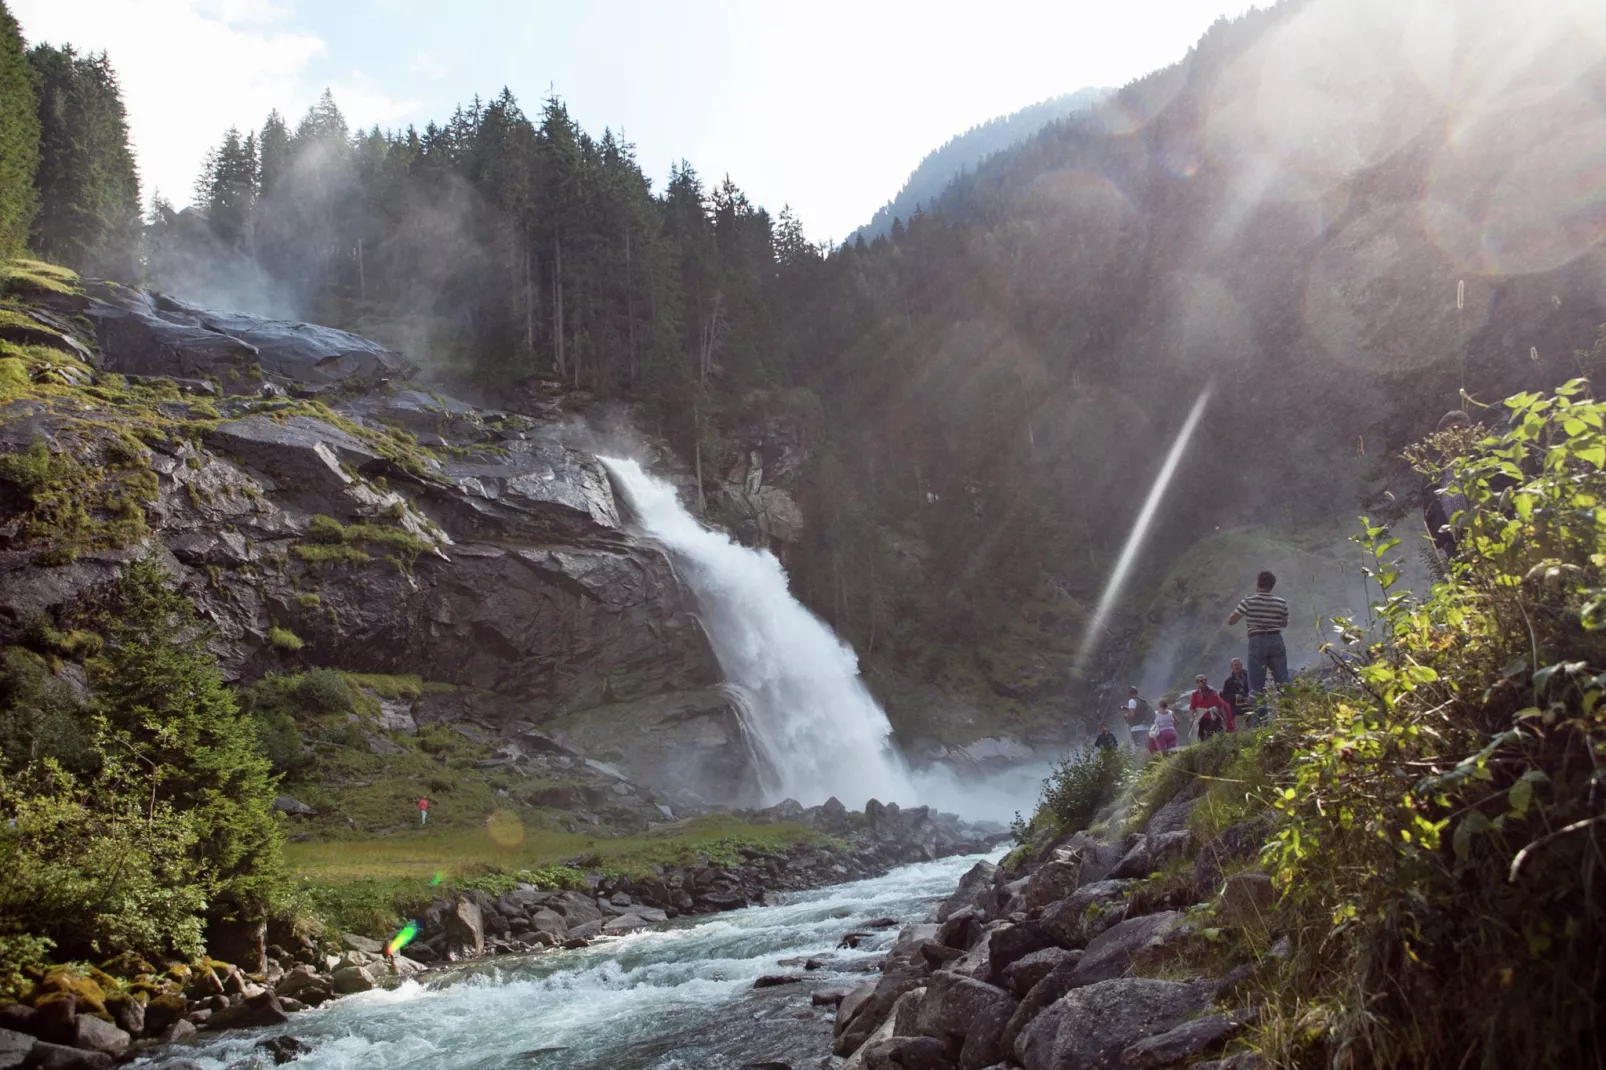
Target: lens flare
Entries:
(402, 938)
(1134, 541)
(505, 829)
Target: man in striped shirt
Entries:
(1268, 616)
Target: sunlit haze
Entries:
(826, 106)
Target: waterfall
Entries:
(813, 723)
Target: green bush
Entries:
(284, 639)
(165, 705)
(1077, 789)
(96, 865)
(1441, 837)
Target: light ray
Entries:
(1134, 541)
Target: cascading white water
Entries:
(817, 730)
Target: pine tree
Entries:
(19, 139)
(88, 190)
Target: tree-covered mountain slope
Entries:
(963, 152)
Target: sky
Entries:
(825, 106)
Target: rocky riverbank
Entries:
(1099, 949)
(82, 1019)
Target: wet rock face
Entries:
(501, 566)
(151, 334)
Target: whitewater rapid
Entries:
(816, 728)
(677, 998)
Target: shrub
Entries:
(1078, 788)
(1442, 832)
(326, 529)
(284, 639)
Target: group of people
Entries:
(1206, 710)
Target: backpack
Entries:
(1136, 717)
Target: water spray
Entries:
(1134, 541)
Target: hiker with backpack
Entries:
(1137, 714)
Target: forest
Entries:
(982, 395)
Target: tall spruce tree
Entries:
(19, 139)
(88, 190)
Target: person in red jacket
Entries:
(1211, 711)
(423, 810)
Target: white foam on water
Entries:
(681, 996)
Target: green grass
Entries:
(25, 278)
(359, 883)
(410, 687)
(285, 639)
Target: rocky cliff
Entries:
(323, 510)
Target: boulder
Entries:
(286, 804)
(97, 1034)
(962, 929)
(909, 1053)
(1052, 881)
(46, 1056)
(961, 1008)
(777, 980)
(127, 1013)
(253, 1011)
(1134, 944)
(1136, 863)
(1173, 816)
(1021, 976)
(974, 887)
(1246, 897)
(1235, 844)
(543, 920)
(1165, 847)
(903, 970)
(576, 908)
(1044, 994)
(584, 931)
(1089, 911)
(465, 926)
(1093, 1025)
(163, 1011)
(354, 942)
(284, 1048)
(1014, 942)
(626, 923)
(1182, 1043)
(902, 1010)
(14, 1048)
(349, 979)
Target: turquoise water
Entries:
(677, 998)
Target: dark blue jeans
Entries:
(1266, 654)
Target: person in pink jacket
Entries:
(1211, 711)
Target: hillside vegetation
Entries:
(1429, 808)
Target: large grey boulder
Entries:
(957, 1007)
(1134, 944)
(1042, 995)
(96, 1034)
(261, 1009)
(1092, 1026)
(1183, 1043)
(1053, 881)
(1246, 898)
(14, 1049)
(1021, 976)
(1089, 911)
(1014, 942)
(465, 927)
(904, 970)
(974, 888)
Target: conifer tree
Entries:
(19, 139)
(88, 190)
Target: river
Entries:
(675, 998)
